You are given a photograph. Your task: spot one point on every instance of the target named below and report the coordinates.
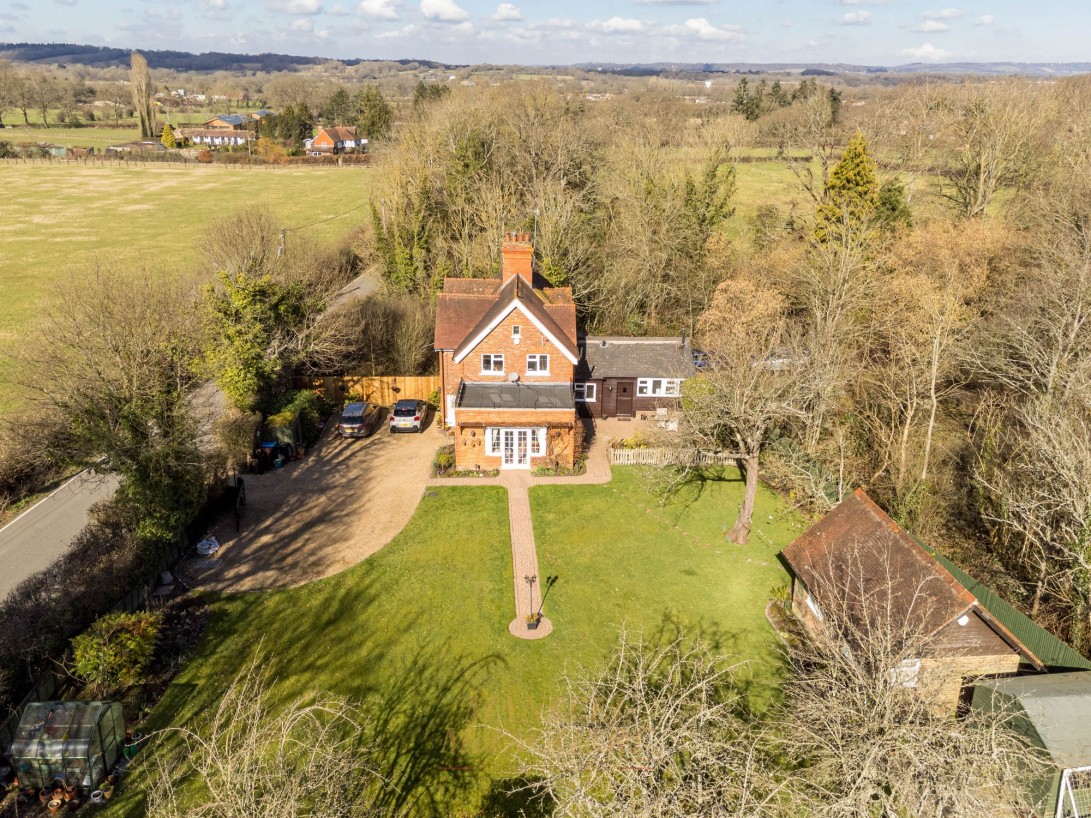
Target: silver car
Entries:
(408, 416)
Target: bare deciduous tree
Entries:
(657, 732)
(141, 83)
(250, 757)
(753, 382)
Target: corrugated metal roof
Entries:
(1051, 651)
(1059, 707)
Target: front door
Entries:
(624, 407)
(516, 448)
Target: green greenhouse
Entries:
(77, 742)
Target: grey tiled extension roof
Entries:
(620, 357)
(516, 396)
(1059, 707)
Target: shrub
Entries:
(433, 399)
(444, 462)
(310, 406)
(114, 652)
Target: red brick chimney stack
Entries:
(518, 255)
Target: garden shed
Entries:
(75, 741)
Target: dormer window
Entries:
(516, 333)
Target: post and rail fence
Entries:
(669, 457)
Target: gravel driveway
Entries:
(322, 514)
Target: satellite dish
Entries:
(513, 377)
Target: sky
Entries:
(552, 32)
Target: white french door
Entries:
(516, 448)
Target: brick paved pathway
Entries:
(528, 599)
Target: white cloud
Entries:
(617, 25)
(675, 2)
(985, 20)
(296, 6)
(926, 53)
(506, 11)
(702, 29)
(856, 18)
(407, 31)
(216, 5)
(305, 26)
(944, 14)
(933, 25)
(378, 9)
(447, 10)
(559, 22)
(338, 10)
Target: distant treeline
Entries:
(177, 60)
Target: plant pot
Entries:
(69, 793)
(532, 624)
(108, 792)
(44, 796)
(54, 805)
(96, 797)
(74, 804)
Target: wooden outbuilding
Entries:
(858, 570)
(631, 377)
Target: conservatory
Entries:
(75, 741)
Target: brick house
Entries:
(507, 355)
(342, 139)
(859, 571)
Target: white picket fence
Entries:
(669, 457)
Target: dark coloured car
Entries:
(359, 419)
(408, 416)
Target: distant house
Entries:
(217, 136)
(631, 377)
(230, 122)
(1053, 712)
(341, 139)
(860, 571)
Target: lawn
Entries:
(57, 222)
(420, 628)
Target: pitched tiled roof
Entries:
(617, 357)
(468, 305)
(858, 544)
(341, 133)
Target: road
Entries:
(34, 539)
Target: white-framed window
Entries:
(813, 606)
(516, 333)
(492, 363)
(659, 387)
(535, 439)
(586, 392)
(906, 673)
(537, 364)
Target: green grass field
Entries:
(59, 221)
(420, 628)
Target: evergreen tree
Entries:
(339, 108)
(778, 97)
(893, 210)
(835, 106)
(168, 138)
(425, 93)
(851, 196)
(375, 114)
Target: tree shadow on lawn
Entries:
(318, 641)
(678, 496)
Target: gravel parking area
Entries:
(324, 513)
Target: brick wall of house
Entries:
(943, 677)
(500, 342)
(563, 439)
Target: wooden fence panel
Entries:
(384, 390)
(667, 457)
